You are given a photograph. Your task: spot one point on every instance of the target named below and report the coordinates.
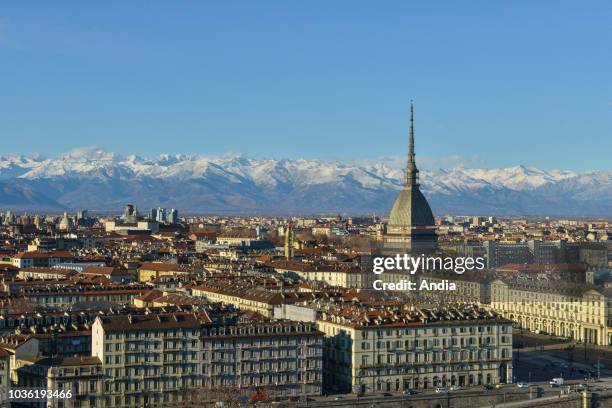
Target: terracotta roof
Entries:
(63, 361)
(79, 279)
(150, 296)
(200, 235)
(48, 270)
(43, 255)
(103, 270)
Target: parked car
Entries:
(454, 388)
(488, 387)
(409, 392)
(441, 390)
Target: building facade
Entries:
(148, 359)
(283, 357)
(153, 359)
(423, 351)
(578, 312)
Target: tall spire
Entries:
(412, 172)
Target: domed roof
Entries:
(411, 209)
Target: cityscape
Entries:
(153, 307)
(306, 204)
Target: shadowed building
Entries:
(410, 228)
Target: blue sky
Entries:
(494, 83)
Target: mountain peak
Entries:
(98, 179)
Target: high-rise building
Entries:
(153, 214)
(172, 217)
(411, 226)
(161, 214)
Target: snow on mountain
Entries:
(89, 176)
(98, 163)
(15, 166)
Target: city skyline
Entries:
(306, 204)
(329, 83)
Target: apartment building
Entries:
(594, 254)
(334, 274)
(245, 297)
(40, 258)
(63, 296)
(370, 349)
(81, 376)
(152, 359)
(532, 251)
(148, 359)
(149, 271)
(281, 356)
(45, 273)
(580, 312)
(60, 339)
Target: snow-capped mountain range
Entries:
(96, 179)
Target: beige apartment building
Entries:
(45, 273)
(373, 351)
(347, 276)
(148, 359)
(149, 271)
(579, 312)
(352, 279)
(246, 298)
(283, 357)
(154, 359)
(81, 377)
